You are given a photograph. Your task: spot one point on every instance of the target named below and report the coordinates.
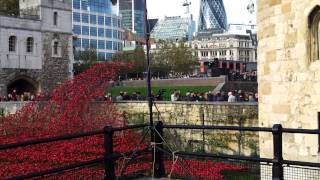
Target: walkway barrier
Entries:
(159, 153)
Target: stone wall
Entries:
(56, 69)
(40, 67)
(191, 113)
(289, 80)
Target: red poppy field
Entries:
(74, 107)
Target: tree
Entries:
(85, 59)
(173, 59)
(183, 60)
(160, 63)
(135, 58)
(9, 7)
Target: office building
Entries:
(212, 16)
(174, 28)
(133, 16)
(96, 24)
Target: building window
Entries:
(93, 19)
(29, 44)
(85, 43)
(109, 33)
(101, 44)
(85, 30)
(108, 21)
(314, 19)
(77, 29)
(109, 45)
(93, 31)
(93, 43)
(76, 17)
(85, 18)
(12, 43)
(55, 18)
(56, 48)
(101, 32)
(100, 20)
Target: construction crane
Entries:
(187, 5)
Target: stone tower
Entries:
(36, 48)
(289, 74)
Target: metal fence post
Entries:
(318, 129)
(159, 170)
(203, 133)
(277, 168)
(109, 166)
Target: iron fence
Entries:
(158, 154)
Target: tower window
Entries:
(56, 48)
(55, 18)
(29, 44)
(12, 43)
(314, 30)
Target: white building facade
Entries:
(36, 47)
(233, 51)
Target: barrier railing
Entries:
(109, 157)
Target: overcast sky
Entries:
(236, 9)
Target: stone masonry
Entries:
(289, 80)
(41, 67)
(197, 113)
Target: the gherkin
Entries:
(212, 15)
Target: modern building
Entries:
(133, 16)
(233, 51)
(96, 24)
(174, 28)
(36, 47)
(212, 15)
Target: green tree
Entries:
(173, 59)
(9, 7)
(161, 64)
(85, 59)
(183, 61)
(135, 58)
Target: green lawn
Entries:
(168, 90)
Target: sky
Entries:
(236, 9)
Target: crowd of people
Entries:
(244, 76)
(232, 96)
(14, 96)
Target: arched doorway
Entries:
(23, 85)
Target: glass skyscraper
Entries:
(133, 15)
(96, 24)
(212, 15)
(174, 28)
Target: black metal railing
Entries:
(109, 158)
(277, 132)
